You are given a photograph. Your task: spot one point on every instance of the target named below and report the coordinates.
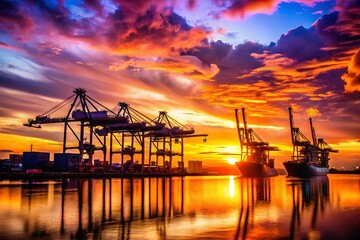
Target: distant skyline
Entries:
(197, 60)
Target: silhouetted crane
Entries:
(322, 148)
(135, 129)
(173, 132)
(303, 150)
(253, 148)
(86, 111)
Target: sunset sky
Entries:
(197, 60)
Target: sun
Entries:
(231, 161)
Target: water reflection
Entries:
(308, 194)
(182, 208)
(254, 191)
(138, 199)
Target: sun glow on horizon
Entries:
(231, 160)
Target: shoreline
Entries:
(61, 175)
(66, 175)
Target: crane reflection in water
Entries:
(254, 191)
(306, 194)
(137, 201)
(191, 207)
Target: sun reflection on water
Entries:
(231, 187)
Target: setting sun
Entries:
(231, 161)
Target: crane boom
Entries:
(245, 126)
(313, 133)
(297, 137)
(238, 127)
(292, 125)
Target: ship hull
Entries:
(298, 169)
(249, 169)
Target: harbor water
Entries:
(191, 207)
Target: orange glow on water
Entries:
(185, 208)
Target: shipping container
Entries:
(195, 167)
(78, 114)
(36, 160)
(66, 162)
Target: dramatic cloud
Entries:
(156, 33)
(302, 69)
(352, 76)
(349, 18)
(232, 62)
(301, 44)
(14, 20)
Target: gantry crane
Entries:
(86, 111)
(122, 120)
(252, 147)
(135, 130)
(173, 132)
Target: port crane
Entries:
(162, 141)
(322, 148)
(87, 112)
(252, 147)
(135, 129)
(88, 121)
(303, 150)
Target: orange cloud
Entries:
(251, 96)
(313, 112)
(243, 8)
(151, 45)
(188, 66)
(240, 8)
(352, 76)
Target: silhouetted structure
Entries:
(86, 111)
(90, 122)
(134, 130)
(307, 159)
(255, 158)
(162, 141)
(36, 160)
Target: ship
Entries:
(255, 158)
(308, 159)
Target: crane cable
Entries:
(58, 106)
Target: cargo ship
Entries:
(255, 158)
(308, 159)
